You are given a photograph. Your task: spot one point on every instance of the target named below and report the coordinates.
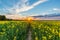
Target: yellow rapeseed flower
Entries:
(36, 38)
(3, 29)
(44, 38)
(59, 34)
(14, 37)
(17, 30)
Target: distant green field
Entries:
(41, 30)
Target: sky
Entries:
(29, 7)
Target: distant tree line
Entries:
(3, 17)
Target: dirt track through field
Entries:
(29, 32)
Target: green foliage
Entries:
(41, 30)
(45, 30)
(13, 30)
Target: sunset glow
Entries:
(29, 19)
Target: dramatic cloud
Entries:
(23, 5)
(18, 7)
(53, 10)
(56, 9)
(26, 7)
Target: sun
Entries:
(29, 19)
